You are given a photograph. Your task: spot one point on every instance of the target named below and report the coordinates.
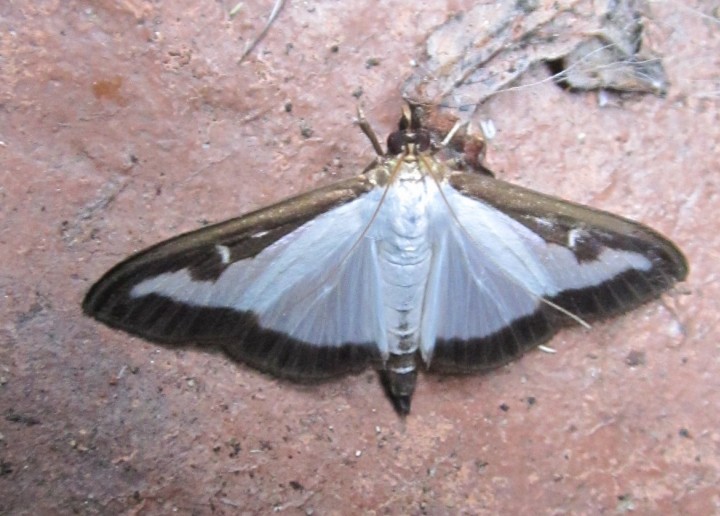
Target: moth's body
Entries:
(412, 263)
(405, 249)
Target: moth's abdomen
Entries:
(404, 259)
(404, 273)
(403, 280)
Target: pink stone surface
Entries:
(123, 123)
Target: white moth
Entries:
(414, 262)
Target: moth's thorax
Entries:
(406, 203)
(408, 166)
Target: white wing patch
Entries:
(317, 283)
(470, 295)
(543, 268)
(492, 270)
(224, 252)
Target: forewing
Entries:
(290, 289)
(513, 264)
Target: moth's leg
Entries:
(369, 132)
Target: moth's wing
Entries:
(509, 257)
(271, 288)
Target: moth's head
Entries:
(411, 137)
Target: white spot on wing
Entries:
(543, 222)
(260, 234)
(224, 252)
(574, 235)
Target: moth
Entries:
(417, 263)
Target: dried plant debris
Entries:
(485, 50)
(612, 58)
(277, 7)
(459, 143)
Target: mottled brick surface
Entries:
(123, 123)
